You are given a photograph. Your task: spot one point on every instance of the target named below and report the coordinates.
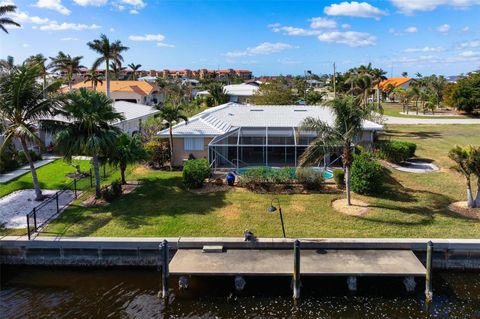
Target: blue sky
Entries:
(265, 36)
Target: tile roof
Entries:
(223, 118)
(396, 82)
(140, 87)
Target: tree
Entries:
(171, 113)
(462, 158)
(7, 65)
(4, 21)
(40, 60)
(348, 123)
(67, 65)
(93, 77)
(466, 94)
(474, 164)
(218, 94)
(135, 68)
(88, 129)
(313, 97)
(127, 150)
(24, 102)
(403, 97)
(273, 93)
(116, 68)
(109, 52)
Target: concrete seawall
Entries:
(114, 251)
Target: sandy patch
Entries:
(358, 208)
(462, 209)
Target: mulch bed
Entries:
(126, 189)
(461, 208)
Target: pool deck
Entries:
(280, 263)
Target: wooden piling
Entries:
(428, 275)
(296, 269)
(165, 273)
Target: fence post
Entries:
(165, 272)
(56, 199)
(75, 187)
(34, 218)
(28, 226)
(296, 270)
(428, 275)
(91, 177)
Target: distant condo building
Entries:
(203, 74)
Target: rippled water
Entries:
(30, 292)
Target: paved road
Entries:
(408, 121)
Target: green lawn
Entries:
(394, 109)
(414, 205)
(51, 176)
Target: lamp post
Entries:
(273, 209)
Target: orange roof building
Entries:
(395, 82)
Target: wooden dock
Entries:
(235, 262)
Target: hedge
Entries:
(195, 172)
(339, 177)
(396, 151)
(367, 174)
(310, 178)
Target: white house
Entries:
(240, 93)
(233, 135)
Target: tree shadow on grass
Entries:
(414, 134)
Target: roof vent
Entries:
(231, 114)
(256, 110)
(300, 110)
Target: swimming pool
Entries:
(327, 174)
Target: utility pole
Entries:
(334, 81)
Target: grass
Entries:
(394, 109)
(414, 205)
(50, 176)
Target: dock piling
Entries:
(239, 283)
(296, 269)
(165, 273)
(352, 283)
(409, 283)
(428, 275)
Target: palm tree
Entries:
(116, 68)
(7, 65)
(128, 150)
(171, 113)
(40, 60)
(378, 76)
(461, 156)
(88, 129)
(403, 97)
(109, 52)
(135, 68)
(94, 77)
(24, 102)
(218, 93)
(7, 21)
(67, 65)
(348, 123)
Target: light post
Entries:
(273, 209)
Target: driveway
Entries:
(409, 121)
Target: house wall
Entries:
(179, 154)
(127, 96)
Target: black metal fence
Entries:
(55, 203)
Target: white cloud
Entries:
(136, 3)
(470, 44)
(470, 54)
(410, 6)
(95, 3)
(133, 11)
(322, 23)
(111, 30)
(147, 37)
(261, 49)
(411, 29)
(55, 5)
(297, 31)
(354, 9)
(350, 38)
(23, 17)
(466, 29)
(25, 45)
(443, 28)
(55, 26)
(346, 26)
(165, 45)
(425, 49)
(69, 39)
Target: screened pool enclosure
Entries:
(261, 146)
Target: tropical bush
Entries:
(310, 178)
(113, 192)
(11, 159)
(194, 172)
(367, 174)
(396, 151)
(339, 177)
(158, 153)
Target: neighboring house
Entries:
(234, 135)
(391, 84)
(240, 93)
(140, 92)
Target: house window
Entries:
(193, 144)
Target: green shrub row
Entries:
(262, 177)
(195, 172)
(395, 151)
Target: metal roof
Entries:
(223, 118)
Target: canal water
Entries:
(32, 292)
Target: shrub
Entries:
(194, 172)
(255, 177)
(367, 174)
(339, 177)
(8, 160)
(112, 192)
(158, 152)
(396, 151)
(310, 178)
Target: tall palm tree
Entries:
(127, 150)
(94, 78)
(5, 20)
(40, 60)
(348, 124)
(23, 103)
(88, 129)
(109, 52)
(171, 113)
(116, 68)
(135, 68)
(378, 76)
(461, 156)
(67, 65)
(7, 65)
